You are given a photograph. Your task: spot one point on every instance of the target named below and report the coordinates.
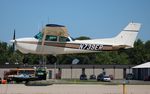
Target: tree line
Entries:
(137, 55)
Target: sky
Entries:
(91, 18)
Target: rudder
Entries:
(128, 36)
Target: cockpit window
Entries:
(39, 36)
(51, 38)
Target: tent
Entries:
(144, 65)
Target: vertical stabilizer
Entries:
(128, 35)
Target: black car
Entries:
(83, 77)
(129, 76)
(100, 77)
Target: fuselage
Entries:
(55, 40)
(35, 46)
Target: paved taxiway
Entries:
(73, 89)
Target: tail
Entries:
(128, 36)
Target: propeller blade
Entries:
(13, 41)
(14, 36)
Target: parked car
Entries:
(103, 77)
(100, 77)
(93, 77)
(106, 78)
(83, 77)
(129, 76)
(112, 77)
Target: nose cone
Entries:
(25, 45)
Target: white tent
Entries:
(144, 65)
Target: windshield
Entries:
(39, 36)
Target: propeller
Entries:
(14, 37)
(14, 40)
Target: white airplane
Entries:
(54, 39)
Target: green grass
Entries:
(77, 81)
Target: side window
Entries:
(67, 39)
(51, 38)
(62, 39)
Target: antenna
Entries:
(132, 21)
